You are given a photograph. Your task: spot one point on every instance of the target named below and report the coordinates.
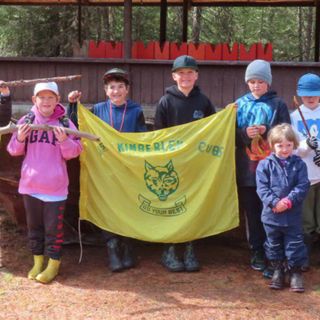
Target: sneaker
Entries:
(268, 272)
(258, 261)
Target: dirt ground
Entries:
(225, 288)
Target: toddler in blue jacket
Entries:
(282, 184)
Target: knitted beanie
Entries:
(259, 69)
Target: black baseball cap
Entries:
(117, 74)
(184, 62)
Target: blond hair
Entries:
(280, 132)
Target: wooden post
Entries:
(127, 17)
(80, 23)
(185, 20)
(163, 21)
(317, 33)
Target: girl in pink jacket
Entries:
(44, 178)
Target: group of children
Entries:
(273, 181)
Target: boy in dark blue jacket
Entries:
(258, 111)
(282, 184)
(123, 115)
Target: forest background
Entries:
(45, 31)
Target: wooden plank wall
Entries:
(222, 82)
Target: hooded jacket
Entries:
(44, 169)
(268, 110)
(5, 109)
(175, 108)
(276, 181)
(133, 121)
(312, 118)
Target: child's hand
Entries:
(252, 131)
(280, 206)
(60, 134)
(4, 90)
(262, 129)
(316, 158)
(74, 96)
(312, 142)
(23, 132)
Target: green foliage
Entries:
(54, 30)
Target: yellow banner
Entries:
(171, 185)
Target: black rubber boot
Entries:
(277, 280)
(115, 263)
(128, 260)
(190, 260)
(296, 280)
(170, 260)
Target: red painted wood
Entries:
(161, 52)
(177, 49)
(97, 50)
(114, 49)
(213, 52)
(264, 52)
(230, 54)
(197, 50)
(247, 55)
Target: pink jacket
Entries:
(44, 168)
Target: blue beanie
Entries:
(259, 69)
(309, 85)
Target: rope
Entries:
(80, 241)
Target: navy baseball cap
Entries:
(309, 85)
(116, 73)
(184, 62)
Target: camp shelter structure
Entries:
(163, 4)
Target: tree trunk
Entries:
(196, 24)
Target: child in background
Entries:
(44, 178)
(182, 103)
(282, 184)
(309, 150)
(125, 116)
(5, 104)
(258, 111)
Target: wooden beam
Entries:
(127, 30)
(185, 9)
(80, 24)
(317, 33)
(158, 2)
(163, 21)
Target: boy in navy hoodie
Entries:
(257, 112)
(123, 115)
(182, 103)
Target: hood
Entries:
(58, 112)
(266, 97)
(274, 158)
(173, 90)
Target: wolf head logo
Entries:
(161, 180)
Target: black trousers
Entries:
(251, 204)
(45, 226)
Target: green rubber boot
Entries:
(37, 267)
(50, 272)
